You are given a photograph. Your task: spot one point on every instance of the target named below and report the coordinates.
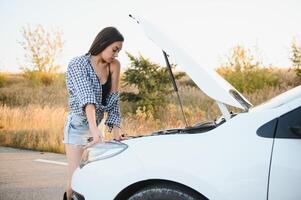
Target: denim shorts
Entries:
(76, 130)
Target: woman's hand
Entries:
(97, 137)
(118, 134)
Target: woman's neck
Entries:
(98, 62)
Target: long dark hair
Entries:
(104, 38)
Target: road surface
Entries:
(26, 175)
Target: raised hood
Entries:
(208, 80)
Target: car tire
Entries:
(165, 192)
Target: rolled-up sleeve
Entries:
(81, 84)
(113, 110)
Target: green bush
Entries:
(245, 72)
(249, 80)
(296, 57)
(152, 82)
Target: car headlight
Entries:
(102, 151)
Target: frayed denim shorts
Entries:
(76, 130)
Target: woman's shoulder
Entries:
(115, 62)
(79, 60)
(115, 65)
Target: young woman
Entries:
(92, 82)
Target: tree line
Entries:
(151, 81)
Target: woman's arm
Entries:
(96, 133)
(85, 94)
(115, 70)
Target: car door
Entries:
(285, 172)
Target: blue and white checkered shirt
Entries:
(85, 88)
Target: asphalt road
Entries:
(26, 175)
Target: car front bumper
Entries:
(105, 179)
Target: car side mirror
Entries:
(296, 130)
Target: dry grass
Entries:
(41, 128)
(34, 117)
(32, 127)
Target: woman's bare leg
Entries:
(73, 153)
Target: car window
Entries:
(289, 125)
(268, 129)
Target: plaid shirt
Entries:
(84, 88)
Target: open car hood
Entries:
(208, 80)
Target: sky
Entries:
(206, 29)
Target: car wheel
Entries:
(165, 192)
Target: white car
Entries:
(252, 155)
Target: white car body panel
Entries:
(105, 179)
(215, 163)
(285, 178)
